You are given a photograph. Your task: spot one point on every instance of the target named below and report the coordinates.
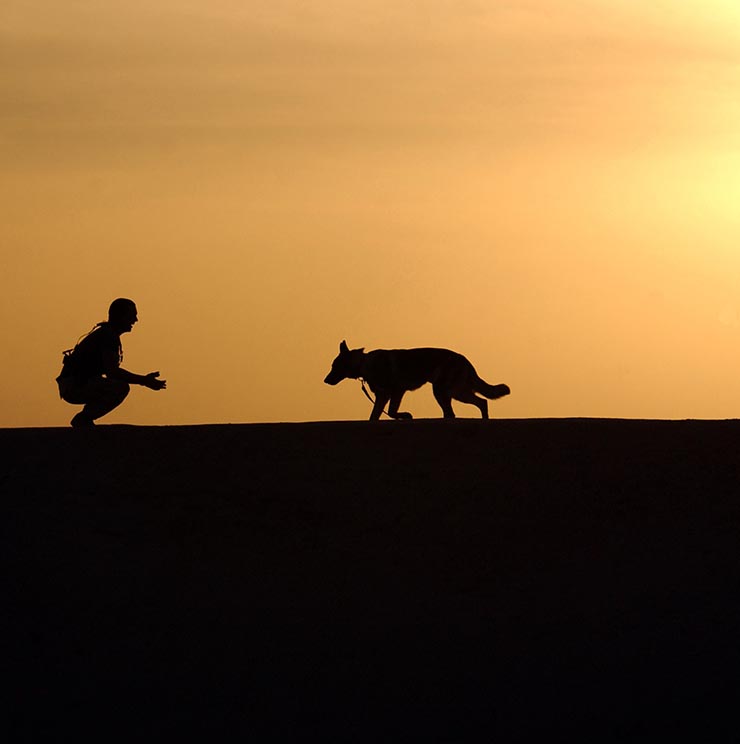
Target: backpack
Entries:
(80, 360)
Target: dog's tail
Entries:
(490, 391)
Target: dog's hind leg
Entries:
(471, 397)
(443, 397)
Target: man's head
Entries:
(122, 314)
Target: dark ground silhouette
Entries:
(441, 581)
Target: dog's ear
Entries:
(343, 348)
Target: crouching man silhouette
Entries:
(91, 372)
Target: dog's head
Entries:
(347, 364)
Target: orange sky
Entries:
(548, 187)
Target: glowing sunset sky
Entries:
(549, 187)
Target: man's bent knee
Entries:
(119, 390)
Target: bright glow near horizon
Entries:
(550, 188)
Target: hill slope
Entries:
(425, 580)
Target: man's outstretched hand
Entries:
(153, 383)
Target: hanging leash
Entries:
(368, 396)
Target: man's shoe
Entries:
(82, 421)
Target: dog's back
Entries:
(409, 369)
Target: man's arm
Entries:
(151, 380)
(115, 372)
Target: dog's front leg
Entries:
(381, 400)
(393, 411)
